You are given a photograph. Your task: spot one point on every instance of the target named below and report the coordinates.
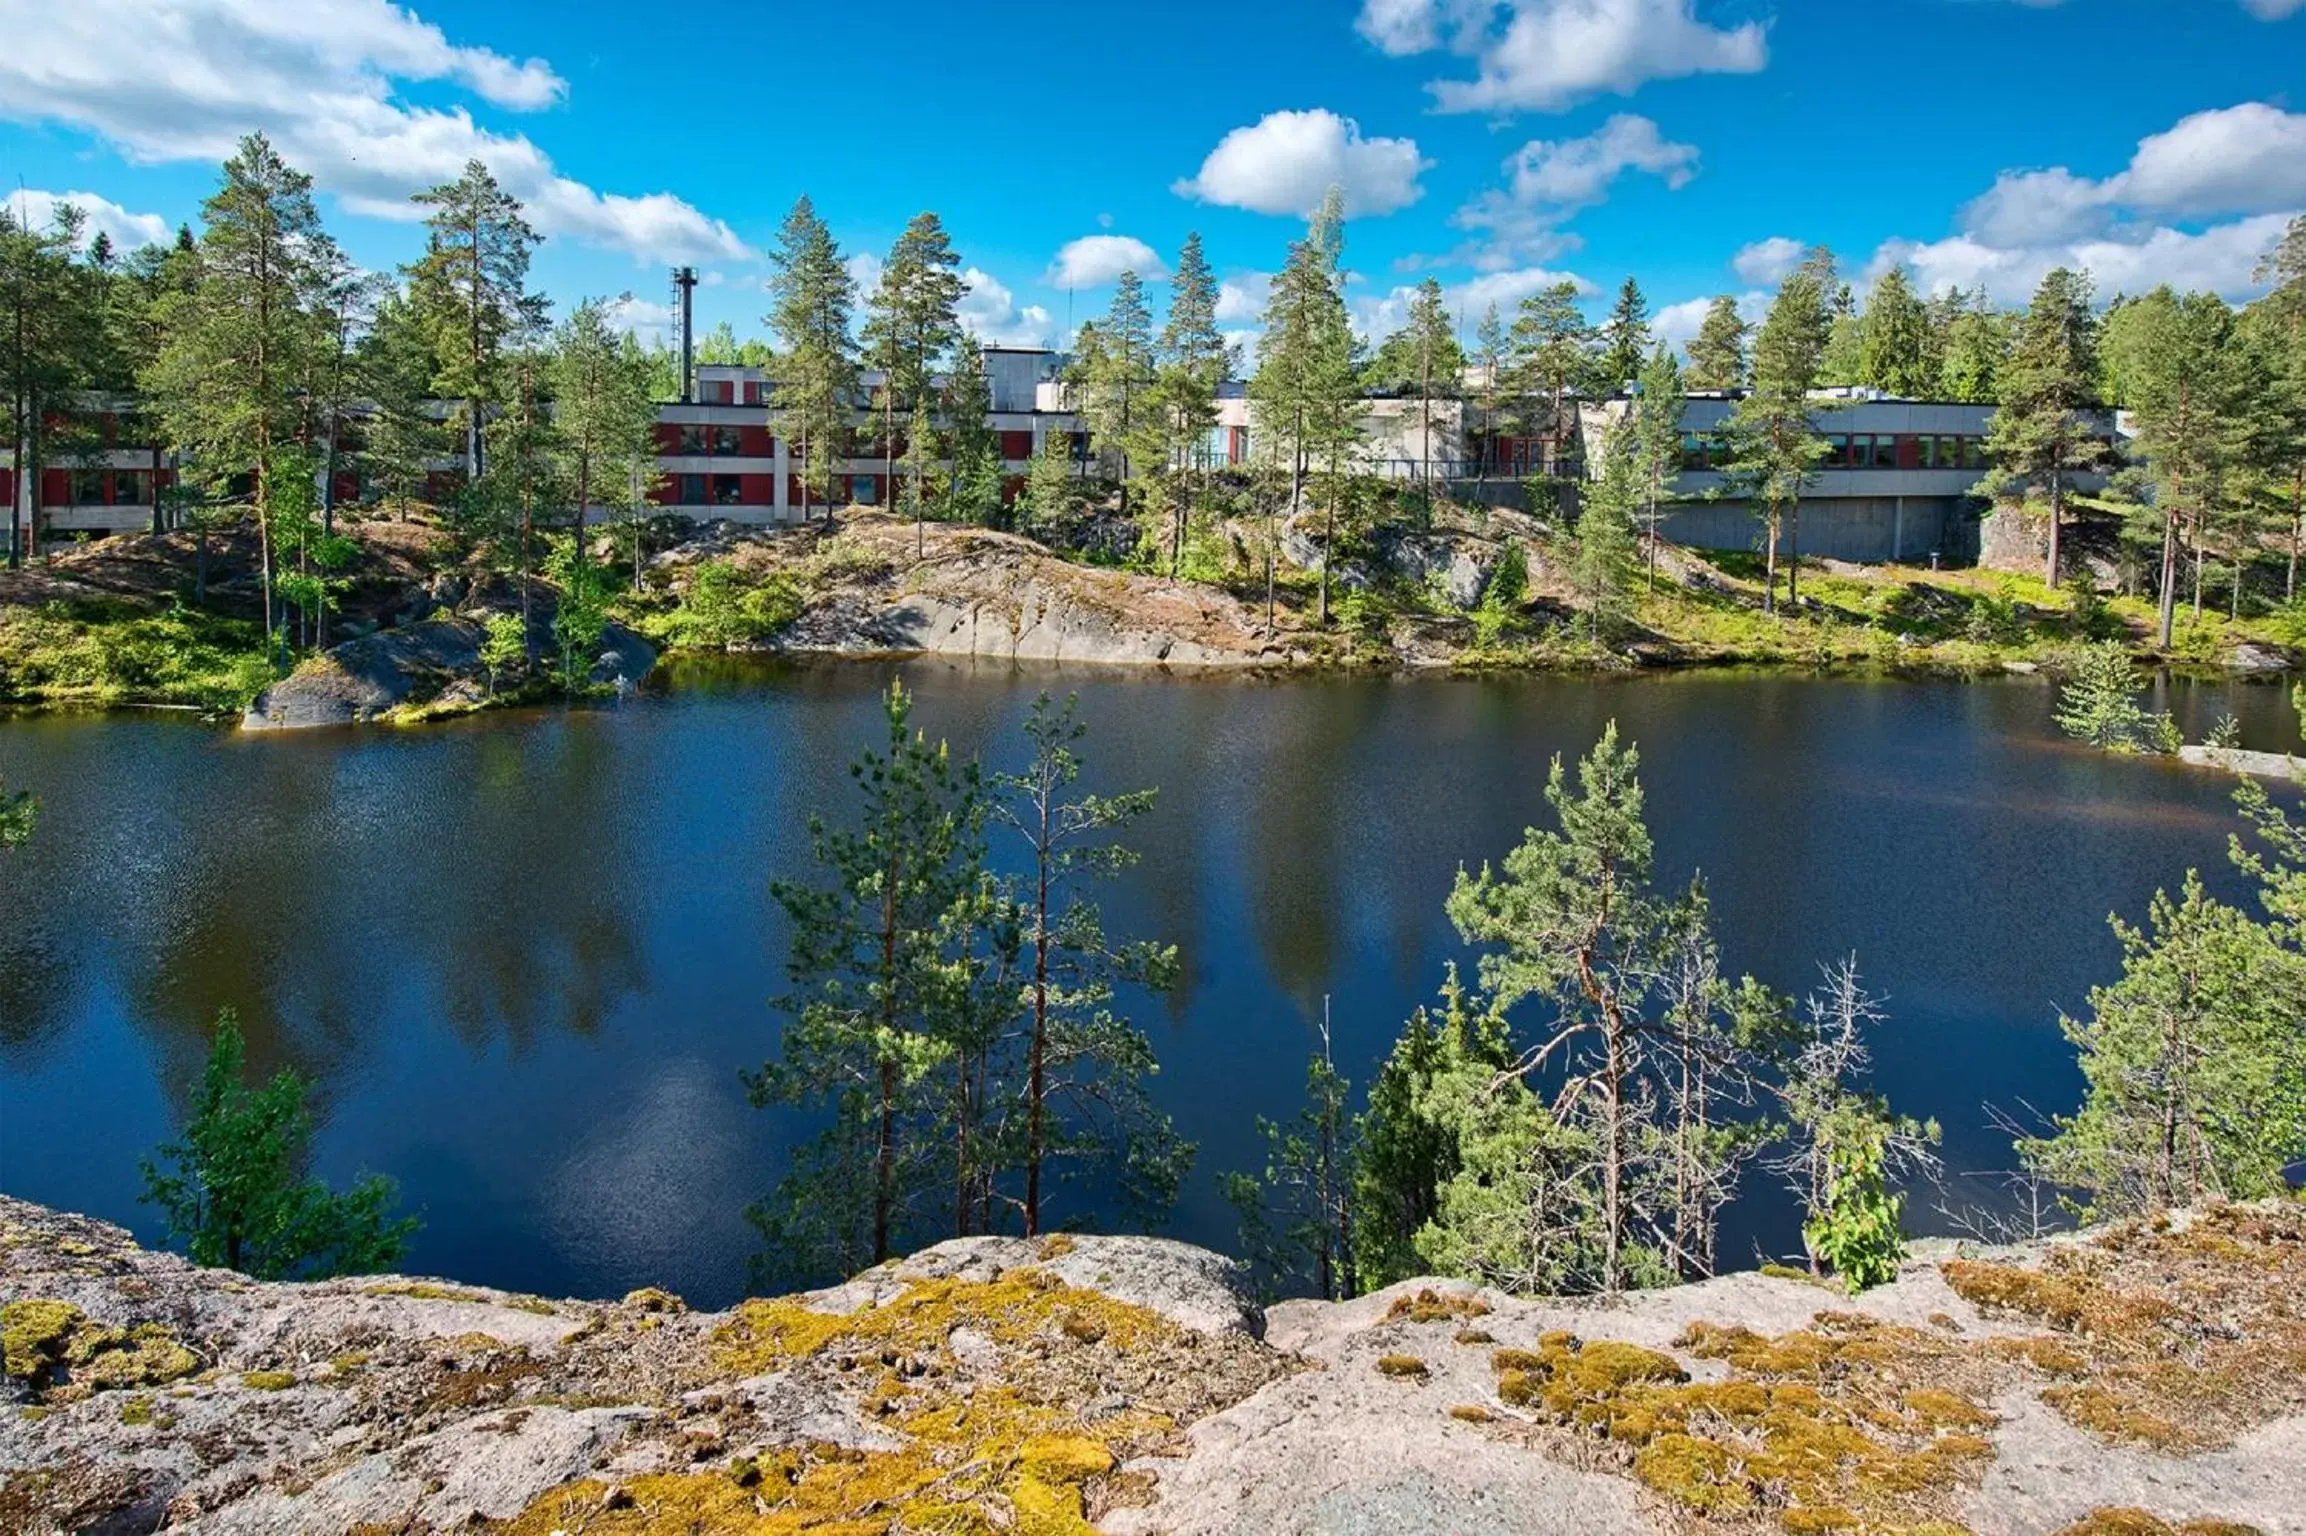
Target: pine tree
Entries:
(1773, 443)
(2043, 434)
(1082, 1094)
(235, 1191)
(1191, 370)
(2177, 371)
(911, 323)
(1050, 489)
(1306, 392)
(603, 420)
(1717, 358)
(1118, 364)
(1296, 1214)
(1656, 425)
(2276, 430)
(2098, 704)
(875, 988)
(471, 289)
(811, 298)
(1550, 356)
(226, 379)
(36, 357)
(1625, 340)
(2195, 1066)
(1431, 344)
(1894, 339)
(1489, 353)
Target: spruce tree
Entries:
(1602, 563)
(1625, 340)
(471, 289)
(972, 449)
(1489, 354)
(2177, 367)
(811, 297)
(1977, 343)
(1118, 376)
(603, 419)
(1717, 357)
(2043, 435)
(1894, 339)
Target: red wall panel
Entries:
(55, 488)
(753, 442)
(758, 490)
(1016, 445)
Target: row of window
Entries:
(1859, 450)
(701, 441)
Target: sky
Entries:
(1497, 145)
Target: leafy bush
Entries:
(722, 608)
(1856, 1232)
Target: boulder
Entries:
(2256, 660)
(437, 659)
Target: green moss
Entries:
(268, 1381)
(42, 1340)
(1407, 1367)
(1432, 1306)
(33, 1335)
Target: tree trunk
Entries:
(1794, 556)
(2057, 517)
(1770, 564)
(2169, 592)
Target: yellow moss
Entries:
(38, 1336)
(1048, 1509)
(1504, 1360)
(1055, 1246)
(33, 1335)
(2137, 1522)
(137, 1410)
(1475, 1336)
(1404, 1366)
(349, 1361)
(268, 1381)
(1024, 1303)
(650, 1299)
(1471, 1413)
(1695, 1474)
(1435, 1306)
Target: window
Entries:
(87, 488)
(1885, 451)
(132, 487)
(865, 490)
(1973, 453)
(727, 440)
(688, 490)
(728, 490)
(1837, 450)
(692, 440)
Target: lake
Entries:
(524, 956)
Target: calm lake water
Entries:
(524, 957)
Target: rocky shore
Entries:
(2137, 1381)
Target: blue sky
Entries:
(1497, 144)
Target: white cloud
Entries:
(991, 312)
(1548, 181)
(2220, 259)
(1243, 295)
(1287, 160)
(2273, 10)
(1677, 324)
(1466, 302)
(653, 323)
(2244, 159)
(1550, 54)
(176, 80)
(1095, 260)
(37, 210)
(864, 271)
(1768, 261)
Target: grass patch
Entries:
(115, 653)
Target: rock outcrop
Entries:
(436, 660)
(2143, 1377)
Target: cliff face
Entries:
(2139, 1379)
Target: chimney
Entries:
(685, 279)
